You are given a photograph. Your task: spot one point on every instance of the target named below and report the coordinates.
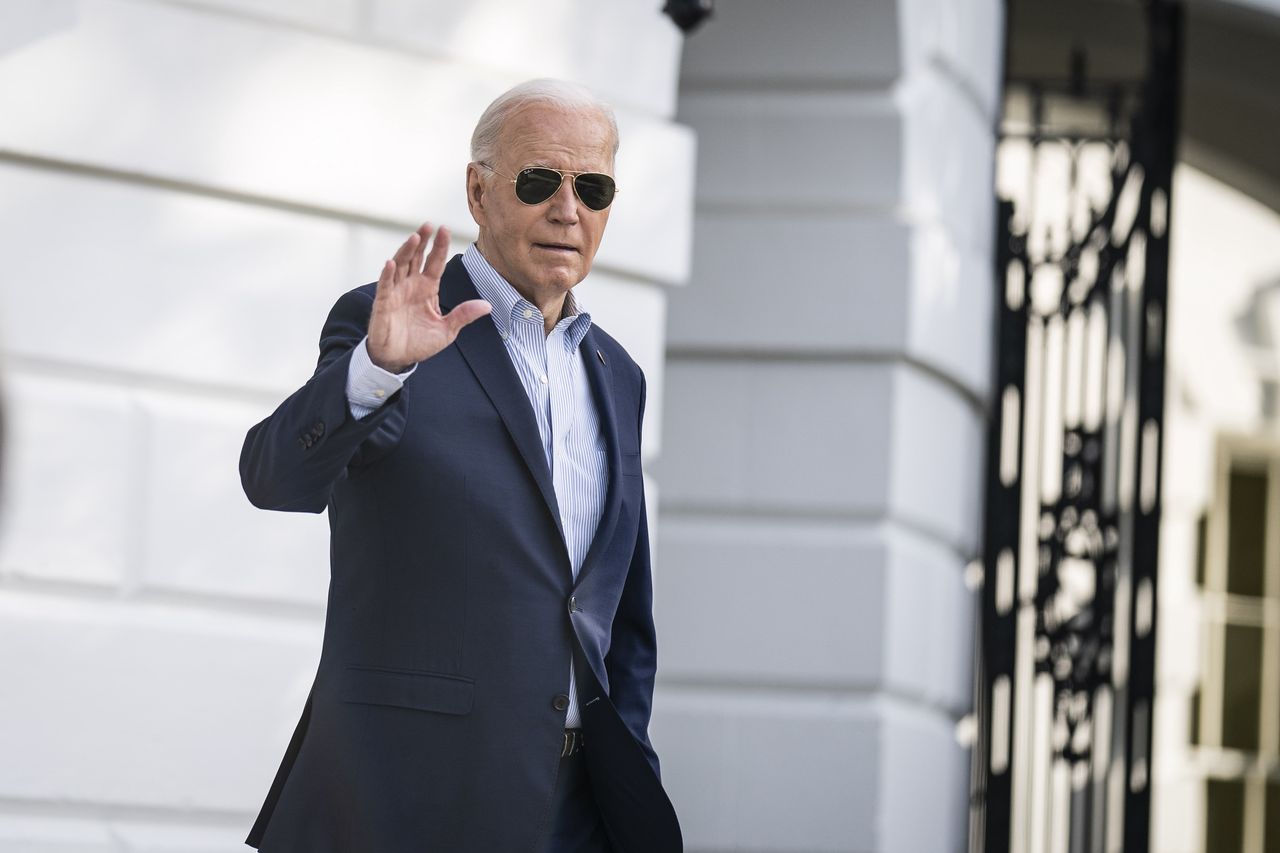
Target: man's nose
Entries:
(564, 204)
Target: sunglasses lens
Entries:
(534, 186)
(595, 190)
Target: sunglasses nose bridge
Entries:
(559, 200)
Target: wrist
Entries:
(389, 367)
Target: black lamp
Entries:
(688, 14)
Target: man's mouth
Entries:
(556, 247)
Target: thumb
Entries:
(465, 312)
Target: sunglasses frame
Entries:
(562, 173)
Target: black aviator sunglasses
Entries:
(536, 184)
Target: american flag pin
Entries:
(602, 361)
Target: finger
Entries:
(386, 278)
(439, 252)
(405, 253)
(424, 234)
(384, 296)
(466, 312)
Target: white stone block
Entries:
(814, 42)
(80, 834)
(948, 150)
(165, 284)
(938, 451)
(72, 481)
(599, 44)
(923, 783)
(825, 437)
(140, 837)
(203, 535)
(25, 21)
(830, 283)
(817, 282)
(353, 130)
(140, 705)
(338, 15)
(783, 436)
(772, 602)
(929, 622)
(964, 37)
(22, 833)
(801, 150)
(949, 318)
(650, 228)
(813, 604)
(768, 773)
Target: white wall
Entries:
(822, 465)
(185, 188)
(1223, 246)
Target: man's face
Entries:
(542, 248)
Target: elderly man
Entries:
(487, 670)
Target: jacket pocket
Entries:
(407, 688)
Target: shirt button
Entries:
(528, 312)
(561, 702)
(379, 393)
(543, 379)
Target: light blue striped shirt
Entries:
(551, 371)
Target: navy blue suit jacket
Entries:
(435, 719)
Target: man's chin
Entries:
(561, 278)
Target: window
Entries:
(1235, 712)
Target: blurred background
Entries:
(961, 322)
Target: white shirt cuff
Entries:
(369, 386)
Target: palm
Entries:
(406, 325)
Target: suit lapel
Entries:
(600, 376)
(486, 355)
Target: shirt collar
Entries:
(509, 307)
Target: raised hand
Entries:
(406, 325)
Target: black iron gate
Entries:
(1065, 681)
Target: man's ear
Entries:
(475, 193)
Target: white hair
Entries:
(560, 93)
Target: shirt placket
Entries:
(561, 418)
(531, 345)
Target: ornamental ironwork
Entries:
(1064, 686)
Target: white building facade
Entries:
(800, 261)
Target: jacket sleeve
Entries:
(292, 459)
(633, 653)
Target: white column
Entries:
(822, 468)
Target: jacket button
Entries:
(319, 428)
(573, 603)
(561, 702)
(302, 442)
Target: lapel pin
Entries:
(602, 361)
